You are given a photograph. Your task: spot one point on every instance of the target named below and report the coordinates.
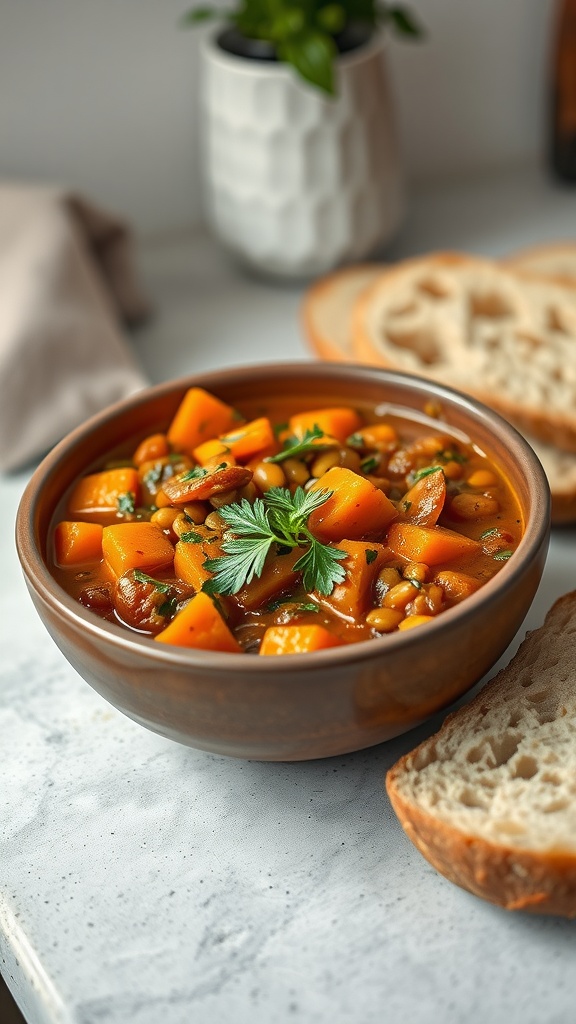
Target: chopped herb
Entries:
(447, 455)
(194, 474)
(371, 555)
(174, 457)
(502, 556)
(191, 537)
(143, 577)
(168, 607)
(300, 606)
(278, 519)
(420, 473)
(407, 505)
(367, 465)
(294, 447)
(126, 502)
(279, 428)
(153, 477)
(489, 533)
(355, 441)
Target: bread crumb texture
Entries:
(505, 336)
(503, 769)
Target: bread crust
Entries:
(548, 425)
(516, 878)
(321, 338)
(552, 260)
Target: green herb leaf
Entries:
(420, 473)
(143, 577)
(371, 555)
(295, 447)
(404, 22)
(312, 53)
(355, 441)
(276, 521)
(448, 455)
(489, 533)
(126, 502)
(320, 567)
(167, 608)
(502, 556)
(191, 537)
(369, 464)
(194, 474)
(198, 14)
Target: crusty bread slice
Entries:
(554, 260)
(327, 314)
(327, 309)
(490, 800)
(507, 338)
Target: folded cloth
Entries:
(67, 282)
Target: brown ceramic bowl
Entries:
(300, 706)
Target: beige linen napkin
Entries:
(66, 282)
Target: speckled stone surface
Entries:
(144, 882)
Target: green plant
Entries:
(306, 34)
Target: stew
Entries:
(285, 533)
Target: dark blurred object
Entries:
(9, 1012)
(564, 93)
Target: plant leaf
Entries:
(312, 54)
(404, 22)
(320, 567)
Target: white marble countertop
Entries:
(142, 881)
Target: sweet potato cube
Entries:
(297, 640)
(353, 597)
(99, 492)
(77, 542)
(199, 417)
(432, 545)
(200, 625)
(338, 422)
(189, 556)
(250, 439)
(277, 577)
(213, 449)
(136, 546)
(356, 509)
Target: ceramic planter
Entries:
(297, 183)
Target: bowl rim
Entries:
(45, 585)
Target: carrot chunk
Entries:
(249, 439)
(99, 492)
(135, 546)
(189, 556)
(277, 577)
(356, 509)
(78, 542)
(297, 639)
(339, 422)
(432, 545)
(200, 625)
(213, 449)
(353, 597)
(199, 417)
(153, 447)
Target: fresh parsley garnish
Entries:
(298, 606)
(371, 555)
(126, 502)
(489, 533)
(194, 474)
(294, 447)
(355, 441)
(279, 518)
(420, 473)
(168, 607)
(449, 455)
(502, 556)
(143, 577)
(370, 463)
(191, 537)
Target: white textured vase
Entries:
(297, 183)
